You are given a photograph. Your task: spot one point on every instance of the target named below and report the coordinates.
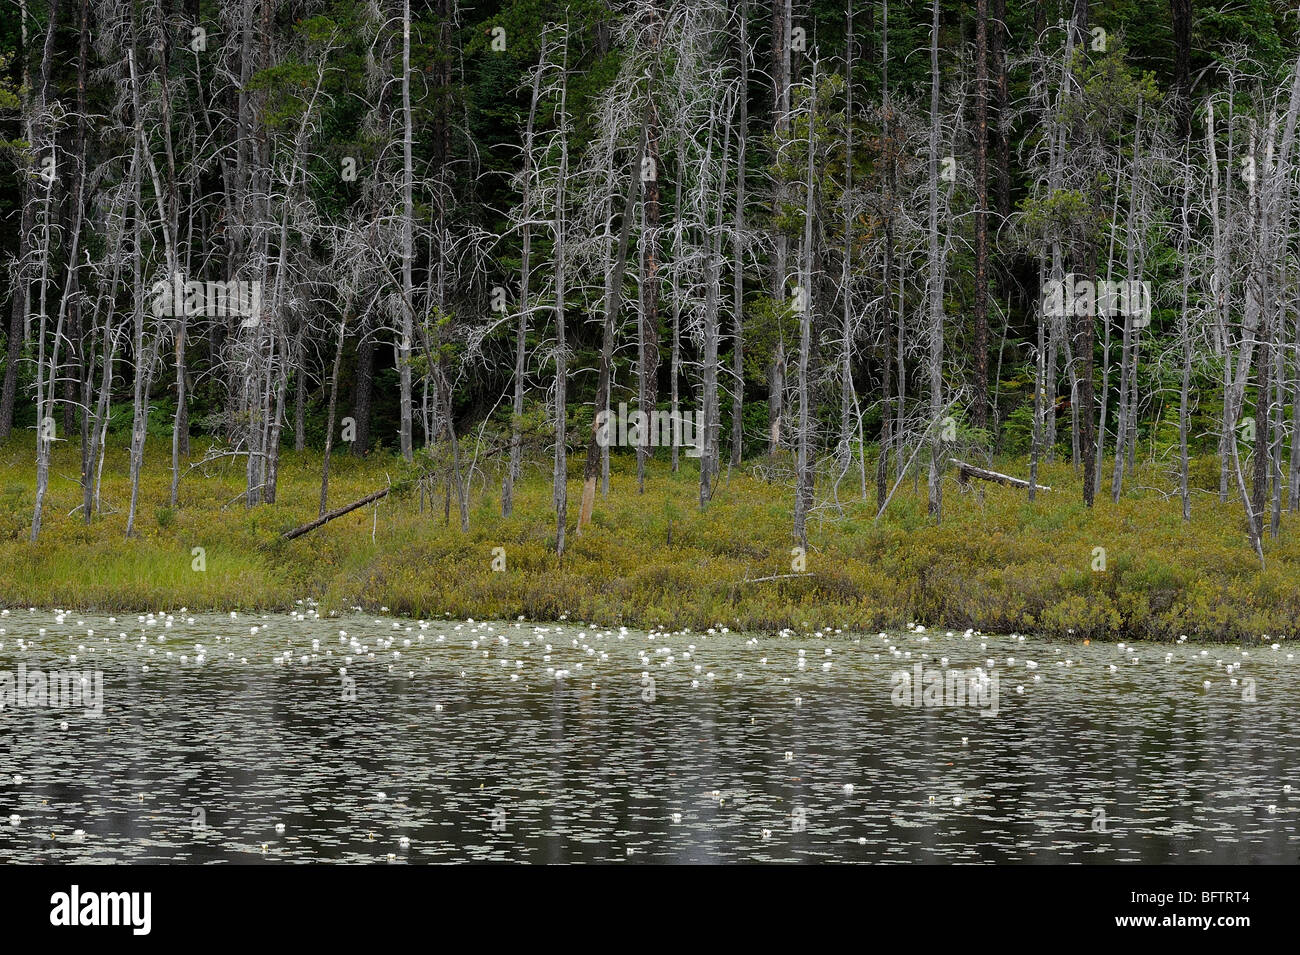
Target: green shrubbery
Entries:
(996, 562)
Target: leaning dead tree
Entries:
(967, 471)
(336, 513)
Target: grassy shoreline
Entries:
(995, 563)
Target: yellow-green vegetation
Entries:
(995, 562)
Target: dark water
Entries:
(199, 761)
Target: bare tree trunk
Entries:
(181, 399)
(981, 344)
(613, 302)
(169, 213)
(364, 390)
(850, 422)
(76, 407)
(19, 316)
(561, 467)
(334, 397)
(1102, 417)
(776, 397)
(713, 279)
(525, 276)
(738, 250)
(934, 290)
(781, 20)
(96, 423)
(648, 323)
(1275, 447)
(1085, 339)
(143, 358)
(675, 353)
(1252, 520)
(408, 215)
(1293, 480)
(301, 386)
(1263, 421)
(1185, 334)
(1036, 442)
(1128, 350)
(886, 282)
(277, 422)
(44, 396)
(1220, 298)
(900, 360)
(45, 390)
(803, 467)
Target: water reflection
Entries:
(549, 748)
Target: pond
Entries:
(296, 737)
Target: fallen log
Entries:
(345, 509)
(759, 580)
(967, 471)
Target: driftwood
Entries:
(967, 471)
(346, 509)
(759, 580)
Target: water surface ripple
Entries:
(547, 743)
